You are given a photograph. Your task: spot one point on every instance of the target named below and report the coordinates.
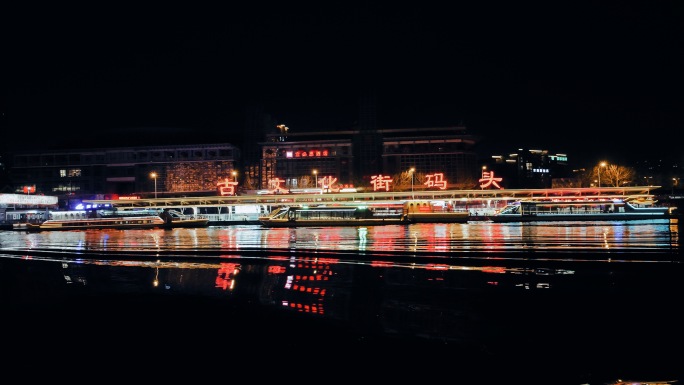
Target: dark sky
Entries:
(596, 80)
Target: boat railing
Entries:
(179, 216)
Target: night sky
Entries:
(596, 80)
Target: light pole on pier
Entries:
(602, 164)
(412, 171)
(153, 175)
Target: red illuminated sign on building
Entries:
(327, 182)
(274, 185)
(436, 180)
(227, 187)
(381, 182)
(488, 179)
(311, 153)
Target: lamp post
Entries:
(675, 183)
(153, 175)
(602, 164)
(412, 170)
(234, 176)
(315, 172)
(482, 175)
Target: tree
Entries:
(307, 181)
(402, 181)
(613, 175)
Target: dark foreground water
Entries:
(562, 304)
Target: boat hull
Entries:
(459, 217)
(576, 217)
(187, 223)
(333, 223)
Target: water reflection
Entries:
(622, 236)
(484, 303)
(493, 312)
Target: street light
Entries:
(315, 172)
(154, 176)
(482, 176)
(602, 164)
(412, 170)
(234, 176)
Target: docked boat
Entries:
(424, 211)
(176, 219)
(317, 216)
(99, 218)
(122, 222)
(567, 210)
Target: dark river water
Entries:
(552, 303)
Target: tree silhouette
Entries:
(613, 175)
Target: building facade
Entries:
(527, 168)
(354, 157)
(143, 171)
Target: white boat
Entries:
(122, 222)
(175, 219)
(400, 212)
(110, 218)
(578, 210)
(317, 216)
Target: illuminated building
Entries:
(447, 150)
(180, 169)
(530, 168)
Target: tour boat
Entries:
(97, 219)
(175, 219)
(122, 222)
(401, 212)
(316, 216)
(578, 210)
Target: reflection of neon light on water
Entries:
(363, 238)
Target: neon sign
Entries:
(227, 187)
(488, 179)
(327, 182)
(436, 180)
(381, 182)
(274, 185)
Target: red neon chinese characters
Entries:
(436, 180)
(274, 185)
(327, 182)
(488, 180)
(226, 187)
(380, 182)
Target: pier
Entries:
(247, 208)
